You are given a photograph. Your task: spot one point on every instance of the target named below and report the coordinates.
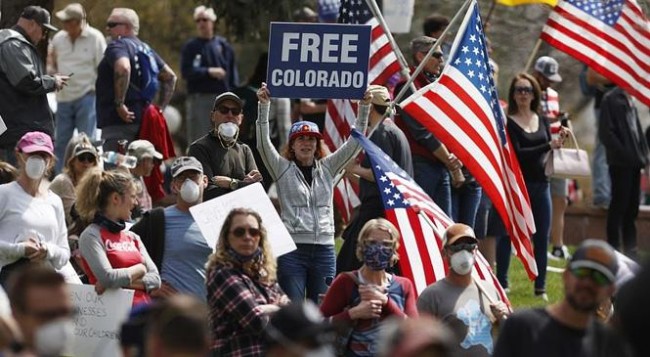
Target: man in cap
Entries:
(77, 50)
(173, 238)
(209, 68)
(299, 329)
(392, 141)
(146, 153)
(569, 327)
(457, 299)
(122, 95)
(431, 159)
(546, 72)
(228, 163)
(23, 82)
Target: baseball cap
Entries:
(143, 148)
(73, 11)
(304, 128)
(35, 141)
(83, 148)
(184, 163)
(597, 255)
(457, 231)
(297, 322)
(227, 96)
(380, 95)
(40, 15)
(549, 68)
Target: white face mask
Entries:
(228, 131)
(35, 167)
(462, 262)
(52, 338)
(190, 191)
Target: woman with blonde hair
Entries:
(366, 297)
(112, 256)
(242, 286)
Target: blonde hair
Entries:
(207, 12)
(383, 225)
(129, 15)
(68, 157)
(263, 268)
(95, 189)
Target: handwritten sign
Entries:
(97, 325)
(210, 216)
(327, 61)
(398, 15)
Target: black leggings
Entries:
(623, 207)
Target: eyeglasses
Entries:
(599, 278)
(240, 232)
(455, 248)
(202, 20)
(89, 158)
(524, 90)
(112, 24)
(224, 110)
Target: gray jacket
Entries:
(23, 88)
(306, 210)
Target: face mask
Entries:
(377, 256)
(190, 191)
(462, 262)
(35, 167)
(228, 131)
(53, 337)
(244, 258)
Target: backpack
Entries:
(145, 66)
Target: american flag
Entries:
(420, 221)
(462, 110)
(612, 37)
(341, 113)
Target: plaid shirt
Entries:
(237, 326)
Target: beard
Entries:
(583, 306)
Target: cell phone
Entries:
(71, 74)
(564, 120)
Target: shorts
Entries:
(559, 187)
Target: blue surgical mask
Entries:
(377, 256)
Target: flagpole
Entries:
(533, 54)
(489, 14)
(414, 75)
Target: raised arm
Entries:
(273, 161)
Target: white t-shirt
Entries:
(20, 212)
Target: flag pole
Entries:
(533, 54)
(489, 14)
(436, 44)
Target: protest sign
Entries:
(398, 15)
(328, 61)
(97, 324)
(211, 214)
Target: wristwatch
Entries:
(234, 184)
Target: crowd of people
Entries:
(113, 211)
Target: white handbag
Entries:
(568, 162)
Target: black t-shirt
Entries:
(531, 149)
(534, 333)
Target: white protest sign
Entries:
(3, 126)
(398, 15)
(97, 325)
(211, 214)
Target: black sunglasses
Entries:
(524, 90)
(240, 232)
(224, 110)
(455, 248)
(87, 158)
(113, 24)
(437, 55)
(202, 20)
(599, 278)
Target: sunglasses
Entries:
(524, 90)
(113, 24)
(202, 20)
(599, 278)
(240, 232)
(90, 158)
(224, 110)
(455, 248)
(437, 55)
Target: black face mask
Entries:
(112, 226)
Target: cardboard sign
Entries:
(97, 326)
(328, 61)
(210, 216)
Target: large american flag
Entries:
(612, 37)
(341, 113)
(420, 221)
(462, 110)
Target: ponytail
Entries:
(95, 188)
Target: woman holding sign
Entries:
(112, 256)
(305, 181)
